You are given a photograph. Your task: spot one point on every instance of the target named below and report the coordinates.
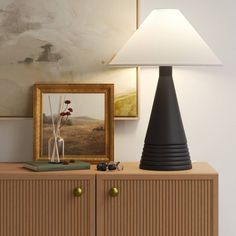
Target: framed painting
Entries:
(78, 118)
(66, 41)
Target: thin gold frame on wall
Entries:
(106, 89)
(38, 55)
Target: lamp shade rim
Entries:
(154, 65)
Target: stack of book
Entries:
(47, 166)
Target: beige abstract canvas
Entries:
(64, 41)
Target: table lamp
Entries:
(165, 39)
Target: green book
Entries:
(46, 166)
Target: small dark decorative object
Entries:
(102, 166)
(109, 166)
(112, 166)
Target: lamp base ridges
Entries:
(165, 157)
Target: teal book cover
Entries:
(46, 166)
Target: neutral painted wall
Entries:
(206, 96)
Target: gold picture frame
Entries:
(89, 135)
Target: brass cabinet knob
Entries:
(78, 192)
(114, 192)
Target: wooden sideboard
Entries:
(132, 202)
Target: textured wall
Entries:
(206, 98)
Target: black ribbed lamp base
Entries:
(165, 145)
(165, 157)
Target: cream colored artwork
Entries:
(64, 41)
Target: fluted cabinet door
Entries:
(156, 205)
(46, 207)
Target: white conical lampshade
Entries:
(165, 38)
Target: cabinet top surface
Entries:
(199, 168)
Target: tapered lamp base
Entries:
(165, 145)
